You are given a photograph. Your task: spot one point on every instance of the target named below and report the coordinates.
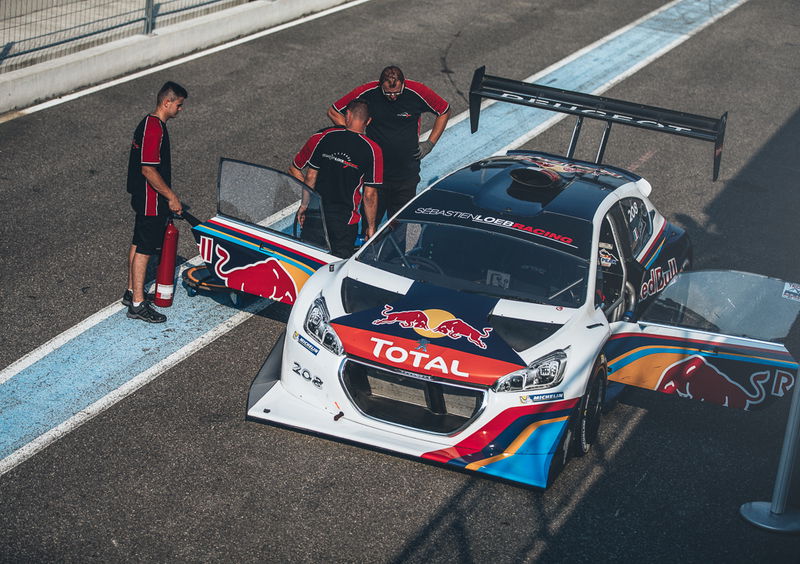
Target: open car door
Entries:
(714, 336)
(256, 243)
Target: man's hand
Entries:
(369, 231)
(175, 205)
(301, 215)
(424, 148)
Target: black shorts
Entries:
(148, 233)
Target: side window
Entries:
(271, 200)
(610, 267)
(638, 224)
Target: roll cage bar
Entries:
(608, 110)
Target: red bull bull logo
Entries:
(434, 324)
(694, 378)
(266, 278)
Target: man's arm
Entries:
(155, 180)
(438, 127)
(335, 117)
(370, 209)
(311, 177)
(297, 173)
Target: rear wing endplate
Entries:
(608, 110)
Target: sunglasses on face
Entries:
(389, 94)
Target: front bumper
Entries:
(517, 444)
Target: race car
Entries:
(485, 324)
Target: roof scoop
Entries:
(532, 184)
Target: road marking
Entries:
(60, 386)
(85, 92)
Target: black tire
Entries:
(587, 425)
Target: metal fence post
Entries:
(149, 17)
(773, 516)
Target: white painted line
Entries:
(43, 441)
(69, 97)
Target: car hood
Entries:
(433, 331)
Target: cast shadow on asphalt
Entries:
(667, 477)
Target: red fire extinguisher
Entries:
(165, 276)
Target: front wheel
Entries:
(591, 409)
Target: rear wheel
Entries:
(591, 409)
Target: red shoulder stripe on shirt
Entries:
(377, 162)
(436, 103)
(304, 155)
(151, 141)
(340, 104)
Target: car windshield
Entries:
(479, 261)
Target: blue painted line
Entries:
(96, 362)
(592, 72)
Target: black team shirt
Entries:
(150, 147)
(345, 162)
(395, 124)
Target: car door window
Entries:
(611, 273)
(270, 199)
(638, 226)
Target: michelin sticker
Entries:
(541, 397)
(305, 343)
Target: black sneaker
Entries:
(127, 298)
(146, 312)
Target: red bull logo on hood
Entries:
(434, 324)
(267, 278)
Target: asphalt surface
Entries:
(174, 473)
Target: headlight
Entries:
(318, 326)
(545, 372)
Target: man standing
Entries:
(152, 198)
(396, 105)
(341, 162)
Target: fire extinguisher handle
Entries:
(192, 220)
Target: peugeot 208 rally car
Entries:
(481, 325)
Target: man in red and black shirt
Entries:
(152, 198)
(341, 162)
(396, 105)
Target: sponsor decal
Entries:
(791, 291)
(499, 221)
(587, 110)
(607, 259)
(267, 278)
(340, 158)
(659, 278)
(541, 397)
(562, 166)
(434, 324)
(306, 375)
(305, 343)
(206, 248)
(387, 352)
(695, 378)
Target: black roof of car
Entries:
(526, 183)
(543, 198)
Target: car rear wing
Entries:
(608, 110)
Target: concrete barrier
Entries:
(26, 87)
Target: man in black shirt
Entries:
(396, 106)
(152, 198)
(341, 162)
